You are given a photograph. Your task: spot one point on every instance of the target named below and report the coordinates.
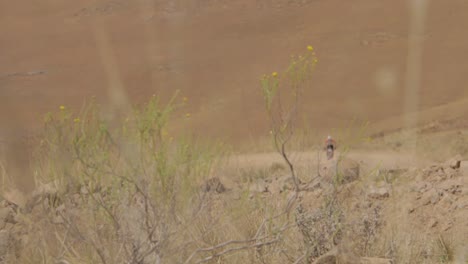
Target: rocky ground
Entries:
(379, 206)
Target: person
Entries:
(330, 146)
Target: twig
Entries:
(262, 244)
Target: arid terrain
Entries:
(58, 53)
(389, 85)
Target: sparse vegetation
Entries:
(127, 191)
(282, 93)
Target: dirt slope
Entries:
(58, 53)
(214, 52)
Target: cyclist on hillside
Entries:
(330, 147)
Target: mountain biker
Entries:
(330, 145)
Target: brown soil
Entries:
(214, 51)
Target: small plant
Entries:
(282, 93)
(135, 188)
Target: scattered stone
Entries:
(213, 185)
(450, 172)
(326, 259)
(84, 190)
(447, 225)
(420, 187)
(379, 193)
(433, 223)
(418, 196)
(454, 162)
(451, 186)
(15, 198)
(435, 198)
(260, 186)
(430, 197)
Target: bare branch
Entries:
(227, 251)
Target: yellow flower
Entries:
(274, 74)
(76, 120)
(62, 107)
(187, 115)
(310, 48)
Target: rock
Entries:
(419, 187)
(454, 162)
(42, 193)
(433, 223)
(435, 198)
(376, 261)
(450, 172)
(84, 190)
(430, 197)
(451, 186)
(15, 198)
(447, 225)
(379, 193)
(213, 185)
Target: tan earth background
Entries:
(56, 52)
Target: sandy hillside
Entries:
(57, 53)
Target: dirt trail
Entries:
(371, 159)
